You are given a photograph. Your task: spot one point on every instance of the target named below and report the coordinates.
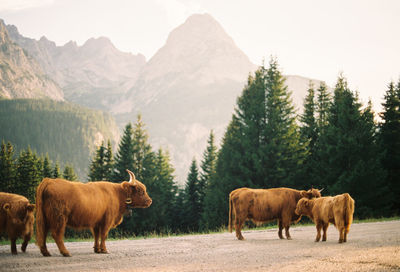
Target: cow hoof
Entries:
(66, 254)
(14, 253)
(289, 238)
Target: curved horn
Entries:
(321, 190)
(132, 177)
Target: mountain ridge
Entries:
(188, 88)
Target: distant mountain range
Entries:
(186, 89)
(20, 75)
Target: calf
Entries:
(337, 210)
(16, 219)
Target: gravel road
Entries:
(370, 247)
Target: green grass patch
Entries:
(85, 236)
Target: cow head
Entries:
(136, 194)
(21, 215)
(311, 193)
(303, 207)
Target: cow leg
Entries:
(96, 235)
(238, 226)
(280, 225)
(27, 238)
(43, 248)
(58, 235)
(14, 246)
(341, 234)
(346, 230)
(324, 228)
(287, 232)
(318, 232)
(103, 234)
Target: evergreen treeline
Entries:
(335, 144)
(64, 131)
(21, 174)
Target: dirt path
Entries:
(371, 247)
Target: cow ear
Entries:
(30, 207)
(125, 185)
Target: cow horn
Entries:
(321, 190)
(132, 178)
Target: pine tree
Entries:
(69, 173)
(56, 173)
(46, 170)
(163, 190)
(229, 176)
(142, 164)
(208, 166)
(309, 137)
(322, 106)
(390, 141)
(261, 147)
(124, 156)
(109, 162)
(141, 148)
(97, 166)
(28, 174)
(192, 199)
(350, 158)
(7, 167)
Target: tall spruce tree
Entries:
(322, 106)
(309, 137)
(108, 162)
(390, 141)
(28, 174)
(229, 176)
(283, 155)
(7, 167)
(163, 190)
(124, 156)
(350, 158)
(261, 147)
(97, 166)
(192, 199)
(142, 163)
(208, 166)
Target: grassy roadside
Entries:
(302, 223)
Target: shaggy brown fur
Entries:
(16, 219)
(337, 210)
(98, 206)
(263, 205)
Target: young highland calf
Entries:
(16, 219)
(337, 210)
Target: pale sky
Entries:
(311, 38)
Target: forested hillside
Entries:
(67, 132)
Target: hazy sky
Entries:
(312, 38)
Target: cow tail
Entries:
(230, 213)
(40, 220)
(348, 211)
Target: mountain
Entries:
(68, 133)
(186, 89)
(94, 74)
(20, 75)
(189, 87)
